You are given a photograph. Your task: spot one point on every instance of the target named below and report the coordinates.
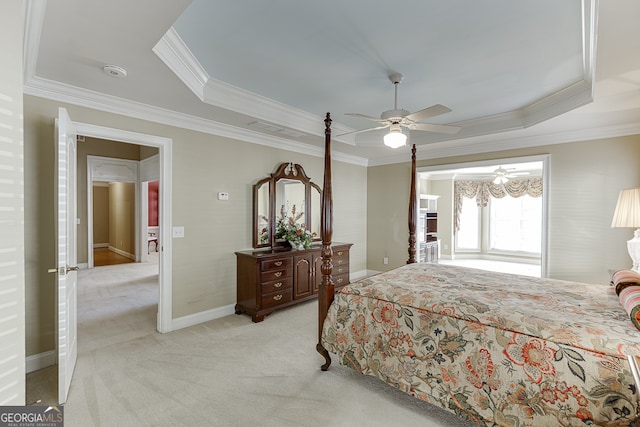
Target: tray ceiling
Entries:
(267, 72)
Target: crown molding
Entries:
(169, 48)
(486, 145)
(177, 56)
(172, 50)
(98, 101)
(565, 100)
(33, 16)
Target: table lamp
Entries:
(627, 214)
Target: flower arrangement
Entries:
(263, 224)
(292, 231)
(264, 236)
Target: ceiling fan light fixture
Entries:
(500, 180)
(395, 138)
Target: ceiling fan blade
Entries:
(430, 127)
(364, 116)
(363, 130)
(434, 110)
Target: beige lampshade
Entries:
(627, 213)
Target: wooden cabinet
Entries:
(429, 246)
(428, 252)
(431, 226)
(271, 279)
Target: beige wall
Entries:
(584, 181)
(204, 267)
(100, 214)
(122, 226)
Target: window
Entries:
(468, 236)
(515, 224)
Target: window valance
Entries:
(482, 190)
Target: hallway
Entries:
(103, 256)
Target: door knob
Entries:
(63, 270)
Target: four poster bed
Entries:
(496, 349)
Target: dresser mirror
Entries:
(288, 192)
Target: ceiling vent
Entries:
(280, 130)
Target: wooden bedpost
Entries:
(412, 209)
(326, 288)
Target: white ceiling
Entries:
(515, 74)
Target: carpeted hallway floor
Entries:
(226, 372)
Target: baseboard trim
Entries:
(100, 245)
(40, 361)
(216, 313)
(358, 275)
(123, 253)
(203, 316)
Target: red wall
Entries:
(153, 204)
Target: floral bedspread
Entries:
(497, 349)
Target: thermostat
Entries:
(223, 196)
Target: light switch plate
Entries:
(223, 196)
(178, 232)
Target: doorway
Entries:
(115, 215)
(112, 210)
(163, 170)
(481, 247)
(67, 314)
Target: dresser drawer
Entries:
(278, 285)
(270, 276)
(276, 264)
(340, 269)
(277, 298)
(340, 258)
(340, 280)
(337, 253)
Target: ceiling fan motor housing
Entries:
(394, 115)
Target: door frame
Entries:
(112, 170)
(545, 159)
(165, 147)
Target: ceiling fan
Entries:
(396, 119)
(503, 175)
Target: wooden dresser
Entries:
(271, 279)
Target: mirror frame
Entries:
(292, 172)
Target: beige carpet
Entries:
(227, 372)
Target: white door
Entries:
(66, 270)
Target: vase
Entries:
(296, 246)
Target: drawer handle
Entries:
(278, 273)
(278, 263)
(277, 285)
(340, 262)
(339, 270)
(339, 280)
(278, 297)
(339, 253)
